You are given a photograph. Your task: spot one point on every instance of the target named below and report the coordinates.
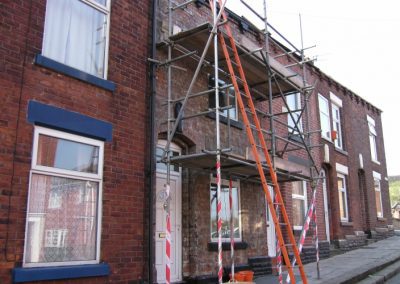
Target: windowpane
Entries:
(378, 202)
(342, 204)
(294, 104)
(75, 34)
(342, 198)
(298, 212)
(324, 116)
(64, 233)
(299, 198)
(225, 212)
(298, 188)
(101, 2)
(68, 155)
(163, 166)
(378, 197)
(230, 101)
(337, 126)
(372, 142)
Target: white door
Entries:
(176, 217)
(271, 237)
(326, 211)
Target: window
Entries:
(294, 104)
(76, 34)
(344, 215)
(64, 204)
(55, 199)
(372, 138)
(55, 238)
(163, 166)
(378, 194)
(337, 126)
(225, 211)
(299, 199)
(324, 117)
(227, 98)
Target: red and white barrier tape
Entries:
(219, 223)
(168, 240)
(232, 230)
(306, 226)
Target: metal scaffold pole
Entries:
(218, 147)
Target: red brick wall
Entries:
(361, 194)
(123, 244)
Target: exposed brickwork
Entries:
(123, 245)
(199, 134)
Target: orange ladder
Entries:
(250, 104)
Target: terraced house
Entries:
(126, 135)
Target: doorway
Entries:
(175, 213)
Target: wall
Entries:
(123, 243)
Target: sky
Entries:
(356, 42)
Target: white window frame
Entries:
(304, 199)
(377, 178)
(228, 92)
(296, 112)
(51, 171)
(372, 139)
(105, 9)
(340, 190)
(324, 113)
(235, 184)
(337, 126)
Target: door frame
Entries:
(177, 177)
(271, 235)
(326, 207)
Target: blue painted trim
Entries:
(69, 121)
(75, 73)
(21, 275)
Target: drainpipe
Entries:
(152, 141)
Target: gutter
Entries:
(152, 143)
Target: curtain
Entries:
(74, 34)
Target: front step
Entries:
(261, 265)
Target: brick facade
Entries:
(123, 244)
(199, 133)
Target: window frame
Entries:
(340, 190)
(235, 184)
(296, 113)
(377, 178)
(55, 172)
(106, 10)
(224, 92)
(372, 139)
(326, 115)
(304, 199)
(337, 123)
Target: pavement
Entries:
(368, 263)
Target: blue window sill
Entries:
(21, 275)
(72, 72)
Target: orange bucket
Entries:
(247, 275)
(238, 277)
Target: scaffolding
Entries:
(264, 82)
